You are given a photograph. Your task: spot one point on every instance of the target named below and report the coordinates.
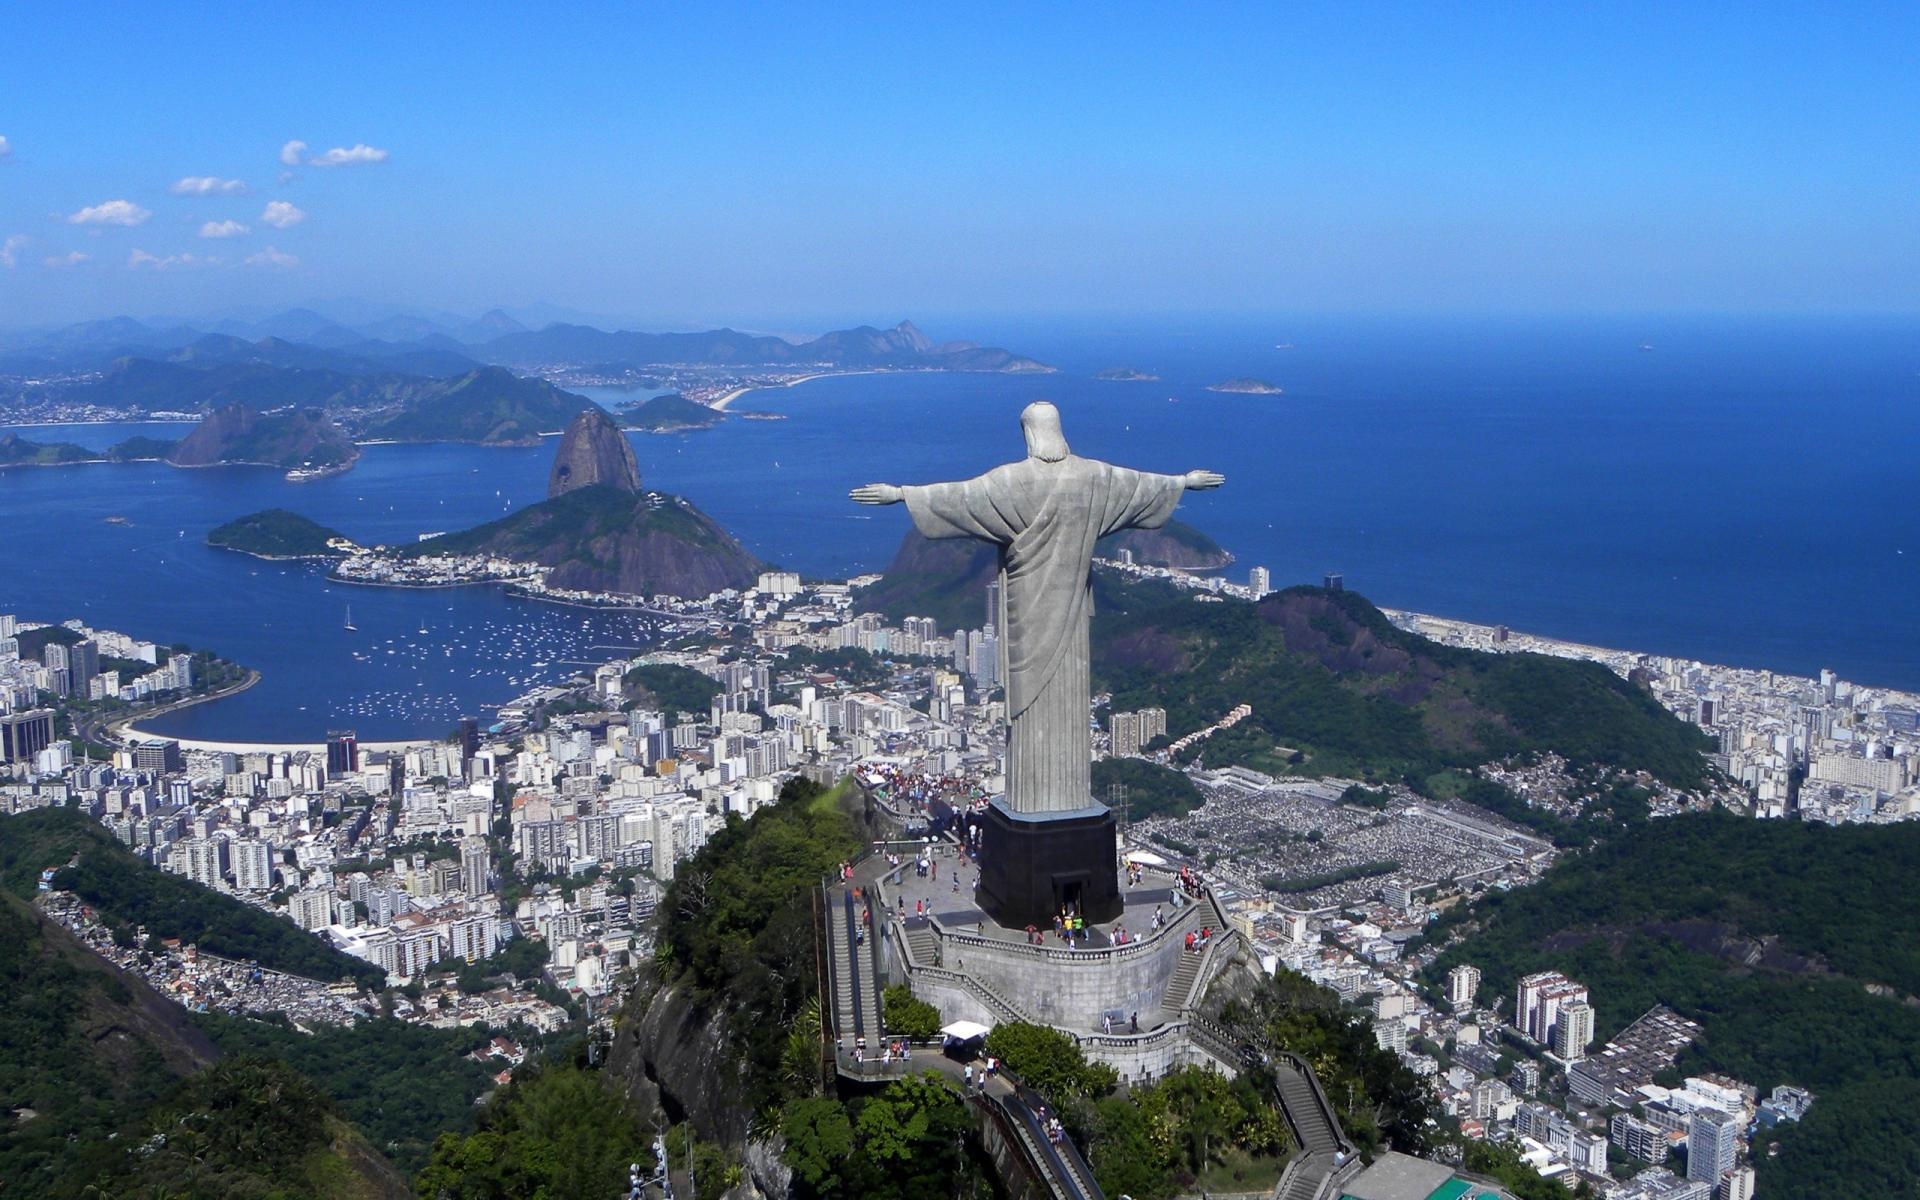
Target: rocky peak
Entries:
(593, 451)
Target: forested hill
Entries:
(128, 893)
(601, 538)
(110, 1090)
(1796, 946)
(1329, 676)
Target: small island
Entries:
(1126, 375)
(671, 413)
(16, 451)
(277, 533)
(1246, 385)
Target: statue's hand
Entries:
(1204, 481)
(876, 493)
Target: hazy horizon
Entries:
(739, 167)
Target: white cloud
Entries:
(140, 258)
(6, 147)
(291, 152)
(271, 258)
(71, 259)
(110, 212)
(359, 154)
(207, 185)
(10, 250)
(223, 229)
(281, 214)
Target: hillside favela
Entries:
(777, 603)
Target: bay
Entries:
(1734, 490)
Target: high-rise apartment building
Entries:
(476, 863)
(201, 859)
(1713, 1144)
(1463, 982)
(1573, 1031)
(1538, 1001)
(252, 865)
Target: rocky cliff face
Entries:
(671, 1052)
(593, 451)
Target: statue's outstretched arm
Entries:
(877, 493)
(1204, 481)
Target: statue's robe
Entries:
(1045, 517)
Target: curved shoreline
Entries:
(128, 730)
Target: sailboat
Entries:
(350, 625)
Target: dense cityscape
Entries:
(558, 824)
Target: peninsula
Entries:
(276, 533)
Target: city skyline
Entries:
(700, 169)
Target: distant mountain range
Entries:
(302, 338)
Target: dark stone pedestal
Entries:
(1033, 867)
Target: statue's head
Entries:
(1040, 421)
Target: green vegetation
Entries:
(1192, 1128)
(1246, 384)
(1503, 1162)
(522, 958)
(1793, 945)
(1381, 1104)
(944, 579)
(1327, 674)
(670, 413)
(1152, 790)
(16, 451)
(491, 405)
(556, 1132)
(601, 538)
(127, 893)
(739, 922)
(403, 1084)
(904, 1015)
(290, 437)
(1176, 544)
(674, 689)
(57, 1001)
(1049, 1061)
(856, 667)
(34, 642)
(245, 1128)
(903, 1144)
(141, 449)
(276, 533)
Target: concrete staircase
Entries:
(1305, 1177)
(1179, 991)
(856, 1000)
(924, 946)
(1307, 1109)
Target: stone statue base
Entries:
(1032, 866)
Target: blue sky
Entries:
(806, 165)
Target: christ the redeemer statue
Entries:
(1045, 513)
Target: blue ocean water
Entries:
(1735, 491)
